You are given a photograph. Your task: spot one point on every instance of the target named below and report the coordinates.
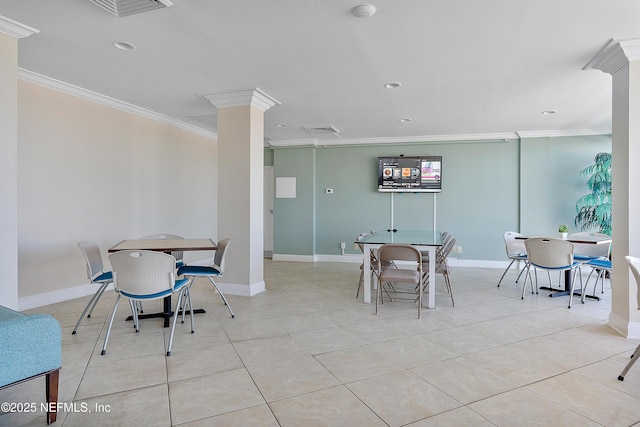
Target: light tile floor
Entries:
(308, 353)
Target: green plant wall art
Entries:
(593, 210)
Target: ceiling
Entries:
(468, 69)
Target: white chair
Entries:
(144, 276)
(595, 256)
(410, 271)
(210, 272)
(634, 265)
(551, 255)
(516, 251)
(96, 274)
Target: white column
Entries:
(241, 186)
(10, 32)
(621, 59)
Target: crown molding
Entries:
(436, 139)
(57, 85)
(15, 29)
(560, 133)
(614, 55)
(236, 98)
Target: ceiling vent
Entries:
(122, 8)
(320, 130)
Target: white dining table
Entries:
(423, 240)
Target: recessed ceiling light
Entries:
(364, 11)
(405, 120)
(549, 112)
(124, 45)
(393, 85)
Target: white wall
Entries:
(91, 172)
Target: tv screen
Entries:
(411, 174)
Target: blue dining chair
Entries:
(97, 276)
(210, 272)
(552, 255)
(144, 276)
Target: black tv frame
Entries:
(410, 174)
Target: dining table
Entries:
(423, 240)
(167, 246)
(573, 238)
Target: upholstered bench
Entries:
(31, 346)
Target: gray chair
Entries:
(96, 274)
(145, 276)
(409, 271)
(634, 265)
(441, 267)
(551, 255)
(210, 272)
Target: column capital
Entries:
(235, 98)
(15, 29)
(614, 55)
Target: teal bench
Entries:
(30, 347)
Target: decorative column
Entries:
(10, 32)
(241, 186)
(621, 59)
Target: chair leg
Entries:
(106, 337)
(360, 282)
(222, 296)
(524, 286)
(92, 303)
(573, 284)
(634, 357)
(51, 392)
(175, 319)
(505, 272)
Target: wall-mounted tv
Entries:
(410, 174)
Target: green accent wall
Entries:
(489, 187)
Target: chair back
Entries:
(446, 250)
(143, 272)
(399, 252)
(634, 265)
(218, 259)
(514, 246)
(178, 255)
(549, 253)
(93, 257)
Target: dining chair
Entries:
(441, 267)
(178, 255)
(210, 272)
(96, 274)
(596, 256)
(408, 271)
(144, 276)
(551, 255)
(634, 265)
(516, 251)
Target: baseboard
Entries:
(630, 330)
(242, 290)
(61, 295)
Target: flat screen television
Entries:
(410, 174)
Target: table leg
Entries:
(366, 271)
(166, 312)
